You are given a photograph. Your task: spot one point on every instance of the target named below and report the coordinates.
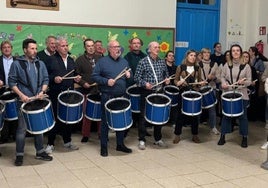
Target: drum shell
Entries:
(157, 114)
(208, 97)
(173, 93)
(70, 113)
(10, 101)
(121, 119)
(134, 98)
(232, 107)
(93, 107)
(2, 114)
(191, 105)
(38, 121)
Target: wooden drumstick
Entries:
(35, 97)
(122, 74)
(67, 78)
(94, 84)
(171, 77)
(68, 73)
(119, 75)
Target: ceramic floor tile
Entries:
(249, 182)
(3, 183)
(25, 181)
(182, 169)
(144, 184)
(131, 177)
(177, 181)
(18, 171)
(223, 184)
(89, 173)
(203, 178)
(72, 165)
(156, 173)
(103, 181)
(67, 184)
(55, 177)
(51, 167)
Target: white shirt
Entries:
(7, 64)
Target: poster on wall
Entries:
(34, 4)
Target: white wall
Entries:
(145, 13)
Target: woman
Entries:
(188, 72)
(236, 72)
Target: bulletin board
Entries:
(76, 34)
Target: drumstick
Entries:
(35, 97)
(255, 80)
(94, 84)
(68, 73)
(171, 77)
(72, 77)
(117, 77)
(122, 74)
(238, 81)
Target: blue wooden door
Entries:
(197, 26)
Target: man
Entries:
(133, 57)
(49, 50)
(150, 71)
(59, 65)
(85, 64)
(6, 60)
(217, 57)
(98, 48)
(104, 74)
(28, 77)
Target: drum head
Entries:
(157, 99)
(8, 96)
(133, 90)
(71, 98)
(35, 105)
(205, 89)
(171, 89)
(95, 97)
(118, 105)
(232, 95)
(191, 95)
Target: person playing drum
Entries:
(208, 73)
(236, 77)
(28, 77)
(150, 71)
(187, 74)
(105, 75)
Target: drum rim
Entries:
(209, 106)
(158, 105)
(228, 92)
(121, 129)
(4, 107)
(205, 93)
(71, 105)
(233, 115)
(130, 94)
(10, 100)
(117, 111)
(36, 111)
(90, 100)
(177, 93)
(43, 131)
(195, 92)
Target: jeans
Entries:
(266, 109)
(20, 137)
(226, 123)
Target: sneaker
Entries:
(215, 131)
(265, 145)
(141, 145)
(160, 143)
(19, 160)
(71, 146)
(43, 156)
(49, 149)
(266, 126)
(84, 139)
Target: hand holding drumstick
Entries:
(124, 72)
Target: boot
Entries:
(222, 140)
(244, 143)
(177, 139)
(196, 139)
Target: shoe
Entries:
(244, 143)
(49, 149)
(222, 140)
(71, 146)
(160, 143)
(215, 131)
(266, 126)
(104, 152)
(265, 145)
(196, 139)
(19, 160)
(43, 156)
(123, 148)
(177, 139)
(141, 145)
(84, 139)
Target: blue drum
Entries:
(10, 101)
(70, 106)
(173, 93)
(135, 98)
(232, 104)
(157, 108)
(208, 97)
(2, 111)
(38, 115)
(118, 114)
(93, 107)
(191, 103)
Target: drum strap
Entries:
(241, 67)
(24, 67)
(211, 64)
(152, 69)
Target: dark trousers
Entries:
(9, 130)
(143, 123)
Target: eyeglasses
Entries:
(115, 46)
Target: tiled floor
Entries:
(186, 164)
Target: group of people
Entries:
(36, 75)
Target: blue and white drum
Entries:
(93, 107)
(2, 114)
(118, 114)
(135, 98)
(157, 108)
(10, 100)
(70, 106)
(173, 93)
(232, 104)
(38, 115)
(208, 97)
(191, 103)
